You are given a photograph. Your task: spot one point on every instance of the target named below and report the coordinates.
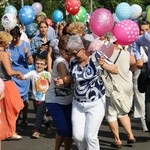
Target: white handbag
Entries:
(118, 97)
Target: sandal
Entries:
(116, 145)
(36, 135)
(131, 141)
(15, 136)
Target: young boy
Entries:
(40, 80)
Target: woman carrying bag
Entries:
(124, 80)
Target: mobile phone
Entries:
(47, 43)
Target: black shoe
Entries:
(48, 127)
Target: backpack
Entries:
(143, 78)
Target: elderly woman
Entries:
(11, 102)
(76, 28)
(89, 93)
(123, 60)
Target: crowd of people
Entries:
(66, 83)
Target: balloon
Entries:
(72, 6)
(136, 11)
(80, 16)
(26, 15)
(37, 7)
(115, 18)
(126, 32)
(148, 15)
(1, 86)
(101, 21)
(10, 9)
(49, 21)
(57, 16)
(99, 44)
(9, 21)
(123, 11)
(144, 15)
(31, 30)
(147, 8)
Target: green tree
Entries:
(50, 5)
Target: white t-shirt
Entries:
(24, 37)
(51, 95)
(40, 83)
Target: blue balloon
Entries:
(26, 15)
(10, 9)
(31, 30)
(123, 11)
(115, 18)
(57, 16)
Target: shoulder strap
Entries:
(108, 74)
(145, 49)
(98, 66)
(117, 56)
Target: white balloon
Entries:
(10, 9)
(9, 21)
(37, 7)
(136, 11)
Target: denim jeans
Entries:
(40, 112)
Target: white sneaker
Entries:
(144, 125)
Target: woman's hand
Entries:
(25, 50)
(111, 68)
(43, 47)
(102, 61)
(28, 56)
(19, 75)
(2, 96)
(58, 81)
(46, 47)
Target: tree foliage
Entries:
(50, 5)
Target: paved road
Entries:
(46, 142)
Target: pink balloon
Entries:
(49, 21)
(126, 32)
(1, 86)
(101, 21)
(106, 48)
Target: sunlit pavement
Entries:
(46, 142)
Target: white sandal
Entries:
(15, 136)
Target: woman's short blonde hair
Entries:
(5, 37)
(76, 28)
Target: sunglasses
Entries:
(75, 53)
